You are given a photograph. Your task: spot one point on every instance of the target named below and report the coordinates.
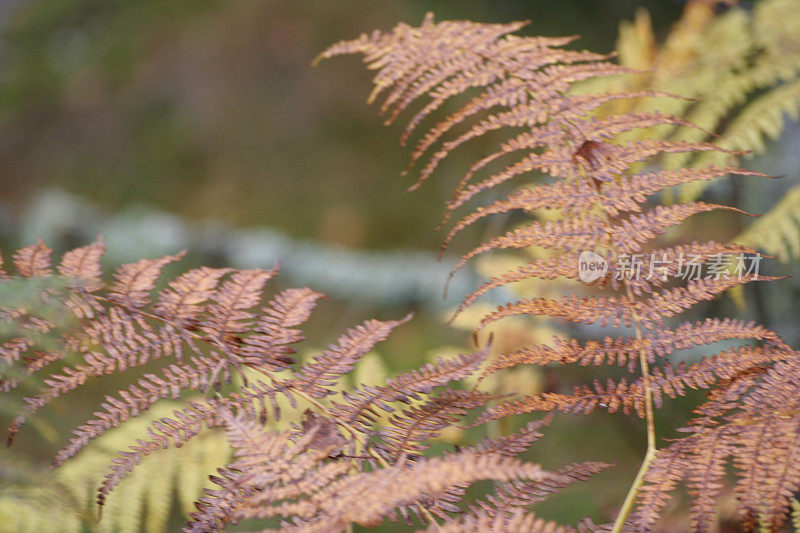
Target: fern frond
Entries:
(319, 375)
(741, 66)
(137, 398)
(662, 477)
(366, 498)
(517, 495)
(162, 434)
(518, 521)
(405, 433)
(135, 281)
(180, 301)
(83, 263)
(607, 153)
(777, 232)
(740, 424)
(33, 261)
(360, 406)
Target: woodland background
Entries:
(172, 124)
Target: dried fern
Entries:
(216, 335)
(603, 175)
(363, 456)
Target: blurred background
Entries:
(201, 124)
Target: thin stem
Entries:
(630, 498)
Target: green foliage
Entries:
(777, 232)
(739, 72)
(63, 500)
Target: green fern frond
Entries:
(144, 499)
(37, 510)
(777, 232)
(31, 499)
(142, 502)
(795, 515)
(741, 68)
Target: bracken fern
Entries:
(212, 328)
(522, 87)
(362, 456)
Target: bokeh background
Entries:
(170, 124)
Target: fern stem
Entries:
(633, 491)
(645, 368)
(630, 498)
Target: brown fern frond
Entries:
(662, 477)
(161, 434)
(674, 301)
(565, 266)
(367, 497)
(228, 315)
(614, 396)
(84, 264)
(614, 311)
(135, 281)
(629, 235)
(629, 192)
(604, 161)
(629, 397)
(623, 351)
(360, 406)
(552, 196)
(205, 324)
(138, 397)
(285, 475)
(263, 459)
(406, 433)
(705, 480)
(518, 521)
(611, 351)
(271, 340)
(33, 261)
(672, 258)
(180, 301)
(516, 495)
(318, 376)
(744, 422)
(568, 235)
(517, 442)
(619, 311)
(446, 502)
(712, 330)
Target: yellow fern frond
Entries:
(36, 510)
(742, 68)
(143, 500)
(795, 515)
(777, 232)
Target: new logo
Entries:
(591, 266)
